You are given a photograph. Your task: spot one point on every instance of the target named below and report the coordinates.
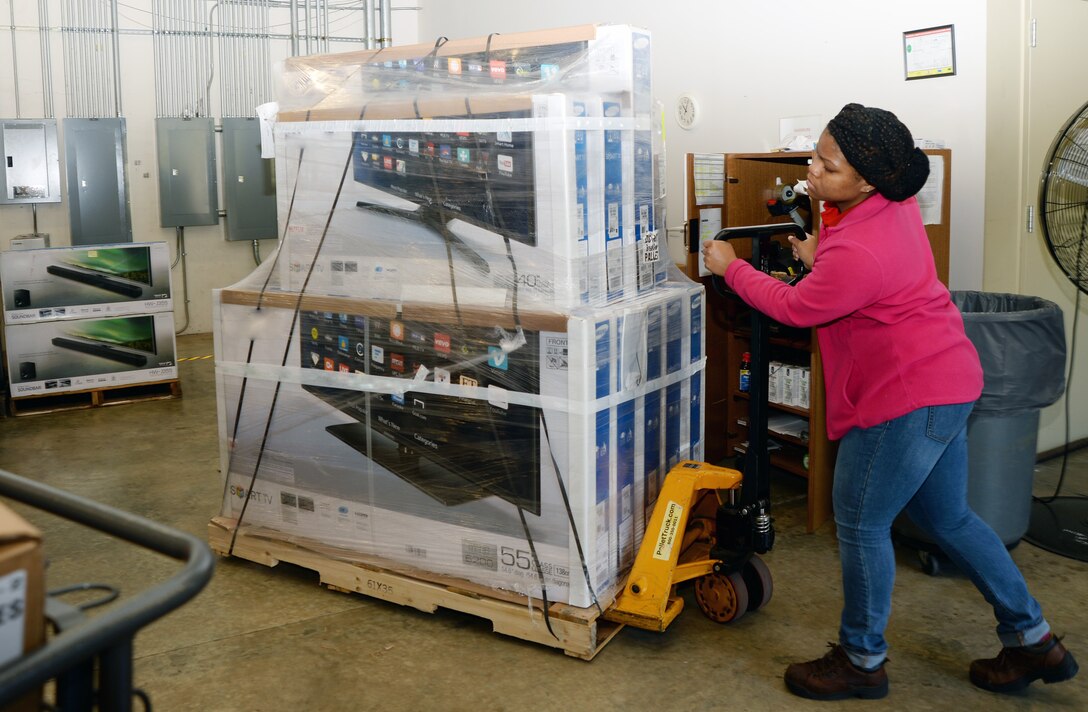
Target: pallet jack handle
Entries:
(746, 524)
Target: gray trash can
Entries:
(1021, 343)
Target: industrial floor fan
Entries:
(1060, 524)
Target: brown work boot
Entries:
(1015, 668)
(834, 677)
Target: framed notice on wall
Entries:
(930, 52)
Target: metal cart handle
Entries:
(101, 633)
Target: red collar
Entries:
(830, 215)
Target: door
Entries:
(1056, 86)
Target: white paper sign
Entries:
(12, 615)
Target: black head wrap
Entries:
(881, 150)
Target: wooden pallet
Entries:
(579, 632)
(94, 398)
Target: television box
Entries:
(493, 210)
(83, 354)
(85, 281)
(22, 595)
(497, 171)
(613, 59)
(452, 450)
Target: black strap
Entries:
(287, 349)
(570, 517)
(487, 48)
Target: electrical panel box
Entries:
(31, 162)
(98, 203)
(188, 186)
(249, 188)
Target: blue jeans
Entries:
(917, 463)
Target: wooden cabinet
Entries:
(748, 182)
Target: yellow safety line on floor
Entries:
(195, 358)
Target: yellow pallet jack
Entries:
(711, 523)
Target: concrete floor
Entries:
(270, 639)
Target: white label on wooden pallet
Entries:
(666, 537)
(12, 615)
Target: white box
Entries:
(391, 235)
(83, 354)
(775, 376)
(85, 281)
(590, 384)
(32, 241)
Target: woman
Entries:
(901, 377)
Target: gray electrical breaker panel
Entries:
(94, 159)
(249, 188)
(31, 162)
(188, 186)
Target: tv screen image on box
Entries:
(452, 448)
(122, 270)
(527, 65)
(129, 340)
(483, 179)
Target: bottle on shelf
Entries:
(745, 371)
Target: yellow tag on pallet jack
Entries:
(666, 537)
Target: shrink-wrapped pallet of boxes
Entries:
(468, 360)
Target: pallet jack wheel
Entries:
(722, 598)
(760, 586)
(930, 564)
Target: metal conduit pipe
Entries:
(238, 87)
(186, 40)
(209, 68)
(238, 48)
(174, 78)
(71, 83)
(116, 45)
(81, 62)
(73, 61)
(167, 58)
(186, 62)
(46, 59)
(92, 60)
(14, 60)
(235, 43)
(225, 12)
(91, 40)
(200, 38)
(370, 23)
(82, 66)
(180, 234)
(266, 49)
(100, 87)
(387, 23)
(64, 57)
(249, 42)
(309, 30)
(156, 51)
(328, 28)
(177, 71)
(294, 28)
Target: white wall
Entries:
(211, 260)
(751, 63)
(747, 67)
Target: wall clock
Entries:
(687, 111)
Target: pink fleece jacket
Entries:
(890, 338)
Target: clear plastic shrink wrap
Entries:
(468, 356)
